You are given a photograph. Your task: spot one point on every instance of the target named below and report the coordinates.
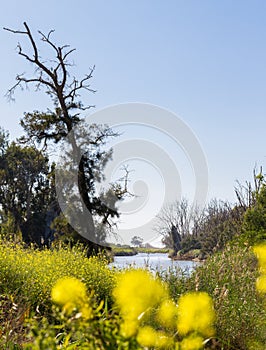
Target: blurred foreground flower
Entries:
(70, 293)
(260, 251)
(167, 313)
(195, 314)
(149, 337)
(193, 342)
(136, 293)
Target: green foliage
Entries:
(25, 190)
(176, 280)
(220, 224)
(152, 250)
(126, 250)
(188, 243)
(136, 241)
(254, 225)
(230, 278)
(100, 331)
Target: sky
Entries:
(205, 61)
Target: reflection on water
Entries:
(157, 261)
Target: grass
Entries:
(153, 250)
(127, 250)
(124, 251)
(230, 278)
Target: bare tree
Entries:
(175, 222)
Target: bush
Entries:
(229, 278)
(254, 225)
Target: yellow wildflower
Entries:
(136, 292)
(69, 293)
(147, 336)
(167, 313)
(193, 342)
(195, 313)
(163, 341)
(129, 328)
(260, 251)
(261, 283)
(86, 312)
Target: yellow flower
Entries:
(261, 283)
(147, 336)
(195, 313)
(260, 251)
(191, 343)
(163, 341)
(167, 313)
(129, 328)
(86, 312)
(69, 293)
(136, 292)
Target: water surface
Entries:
(156, 261)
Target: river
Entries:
(156, 261)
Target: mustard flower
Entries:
(136, 292)
(149, 337)
(167, 313)
(260, 251)
(163, 341)
(195, 313)
(129, 328)
(193, 342)
(70, 293)
(261, 284)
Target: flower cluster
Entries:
(195, 313)
(71, 294)
(34, 272)
(148, 316)
(136, 294)
(260, 252)
(142, 298)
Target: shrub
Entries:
(254, 225)
(229, 278)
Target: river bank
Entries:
(131, 251)
(192, 255)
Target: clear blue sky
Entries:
(204, 60)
